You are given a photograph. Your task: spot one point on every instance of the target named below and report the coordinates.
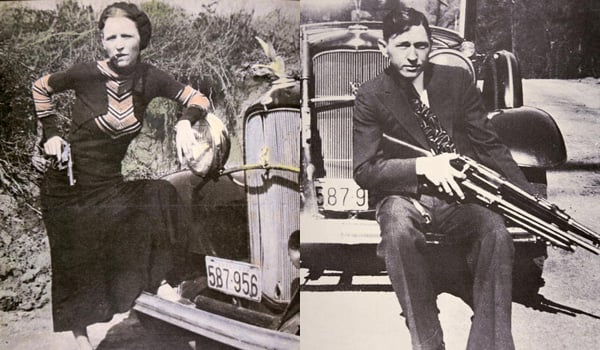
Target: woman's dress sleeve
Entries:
(42, 90)
(196, 103)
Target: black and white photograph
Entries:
(150, 174)
(451, 174)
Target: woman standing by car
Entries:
(110, 239)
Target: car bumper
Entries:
(217, 327)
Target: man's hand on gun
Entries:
(438, 170)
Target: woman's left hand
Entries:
(185, 140)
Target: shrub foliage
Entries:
(551, 39)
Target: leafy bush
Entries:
(551, 39)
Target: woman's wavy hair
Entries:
(131, 11)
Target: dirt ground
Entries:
(572, 280)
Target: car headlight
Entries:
(467, 48)
(212, 148)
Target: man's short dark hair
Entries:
(400, 19)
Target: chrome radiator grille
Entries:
(336, 74)
(273, 196)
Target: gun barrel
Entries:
(548, 212)
(523, 218)
(550, 232)
(523, 223)
(66, 154)
(591, 235)
(540, 210)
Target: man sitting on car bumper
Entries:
(437, 108)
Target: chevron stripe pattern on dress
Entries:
(190, 97)
(120, 119)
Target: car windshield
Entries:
(441, 13)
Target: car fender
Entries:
(532, 136)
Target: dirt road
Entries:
(371, 320)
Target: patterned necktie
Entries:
(437, 137)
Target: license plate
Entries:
(234, 278)
(341, 195)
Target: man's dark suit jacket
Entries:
(382, 106)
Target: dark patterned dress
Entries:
(110, 239)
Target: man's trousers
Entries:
(488, 249)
